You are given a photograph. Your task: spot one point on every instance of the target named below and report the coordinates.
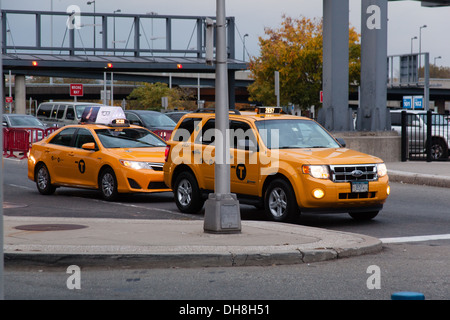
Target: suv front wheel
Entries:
(187, 194)
(280, 202)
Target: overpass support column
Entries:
(20, 94)
(335, 114)
(372, 113)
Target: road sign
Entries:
(8, 99)
(407, 102)
(76, 90)
(321, 96)
(418, 102)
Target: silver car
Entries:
(417, 132)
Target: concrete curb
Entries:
(419, 178)
(190, 260)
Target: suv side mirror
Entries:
(341, 142)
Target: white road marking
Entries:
(22, 187)
(416, 238)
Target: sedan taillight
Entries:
(166, 153)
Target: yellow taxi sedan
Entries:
(104, 153)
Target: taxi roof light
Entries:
(269, 110)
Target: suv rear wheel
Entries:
(187, 194)
(438, 149)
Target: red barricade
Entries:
(49, 131)
(36, 134)
(5, 141)
(18, 141)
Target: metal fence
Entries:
(425, 135)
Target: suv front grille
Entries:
(348, 173)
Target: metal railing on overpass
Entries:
(85, 33)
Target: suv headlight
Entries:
(381, 169)
(319, 172)
(136, 164)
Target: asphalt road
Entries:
(410, 210)
(405, 266)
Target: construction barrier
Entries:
(5, 141)
(20, 140)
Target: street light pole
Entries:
(114, 29)
(89, 3)
(243, 51)
(412, 43)
(420, 45)
(435, 59)
(222, 212)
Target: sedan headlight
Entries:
(319, 172)
(381, 169)
(138, 165)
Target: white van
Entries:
(62, 113)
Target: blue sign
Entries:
(407, 102)
(418, 102)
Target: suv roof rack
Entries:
(210, 110)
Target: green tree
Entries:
(149, 97)
(295, 50)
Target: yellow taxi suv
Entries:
(104, 153)
(285, 164)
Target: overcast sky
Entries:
(252, 16)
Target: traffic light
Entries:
(34, 63)
(179, 66)
(109, 65)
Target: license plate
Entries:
(360, 186)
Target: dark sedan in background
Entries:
(155, 121)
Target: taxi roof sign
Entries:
(104, 115)
(269, 110)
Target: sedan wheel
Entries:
(43, 180)
(108, 185)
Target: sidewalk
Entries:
(37, 241)
(435, 174)
(171, 243)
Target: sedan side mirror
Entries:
(89, 146)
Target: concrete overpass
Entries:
(92, 54)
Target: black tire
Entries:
(280, 203)
(43, 180)
(188, 197)
(439, 149)
(363, 216)
(107, 184)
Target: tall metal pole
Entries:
(222, 213)
(222, 177)
(420, 46)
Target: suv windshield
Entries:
(128, 138)
(294, 133)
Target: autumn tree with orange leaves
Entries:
(295, 51)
